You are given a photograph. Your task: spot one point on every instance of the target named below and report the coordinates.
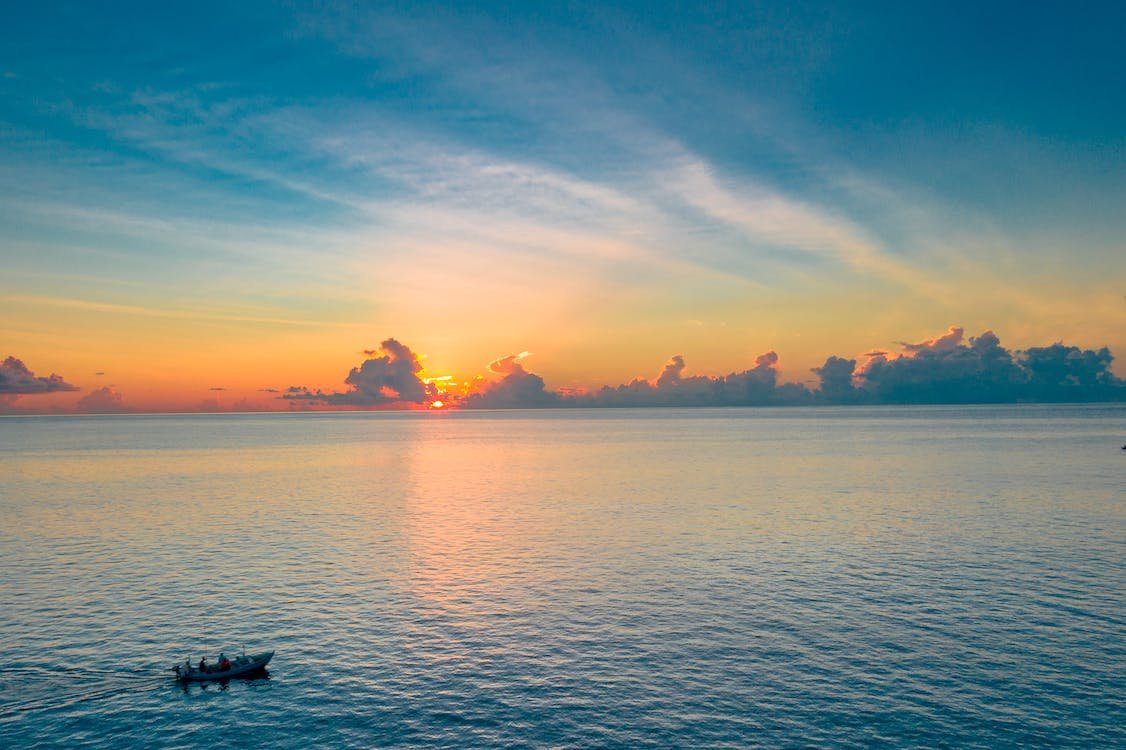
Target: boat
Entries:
(240, 666)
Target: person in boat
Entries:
(203, 664)
(224, 662)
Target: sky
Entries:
(211, 206)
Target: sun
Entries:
(437, 404)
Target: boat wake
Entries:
(33, 688)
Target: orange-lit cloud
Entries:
(104, 400)
(944, 343)
(948, 368)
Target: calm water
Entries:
(894, 577)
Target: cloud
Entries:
(508, 365)
(1068, 373)
(209, 314)
(836, 380)
(945, 369)
(672, 373)
(104, 400)
(946, 342)
(939, 370)
(517, 389)
(387, 379)
(756, 386)
(15, 378)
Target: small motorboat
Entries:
(225, 669)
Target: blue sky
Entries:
(603, 185)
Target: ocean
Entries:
(678, 578)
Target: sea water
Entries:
(839, 577)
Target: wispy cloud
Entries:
(519, 172)
(163, 312)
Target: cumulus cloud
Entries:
(673, 372)
(836, 380)
(390, 378)
(1068, 373)
(517, 389)
(17, 379)
(945, 370)
(102, 401)
(944, 343)
(948, 369)
(671, 387)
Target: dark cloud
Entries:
(16, 379)
(949, 370)
(836, 380)
(213, 388)
(1068, 373)
(102, 401)
(946, 369)
(517, 389)
(757, 386)
(387, 379)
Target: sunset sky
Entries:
(202, 206)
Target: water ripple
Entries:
(738, 579)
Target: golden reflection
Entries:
(464, 530)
